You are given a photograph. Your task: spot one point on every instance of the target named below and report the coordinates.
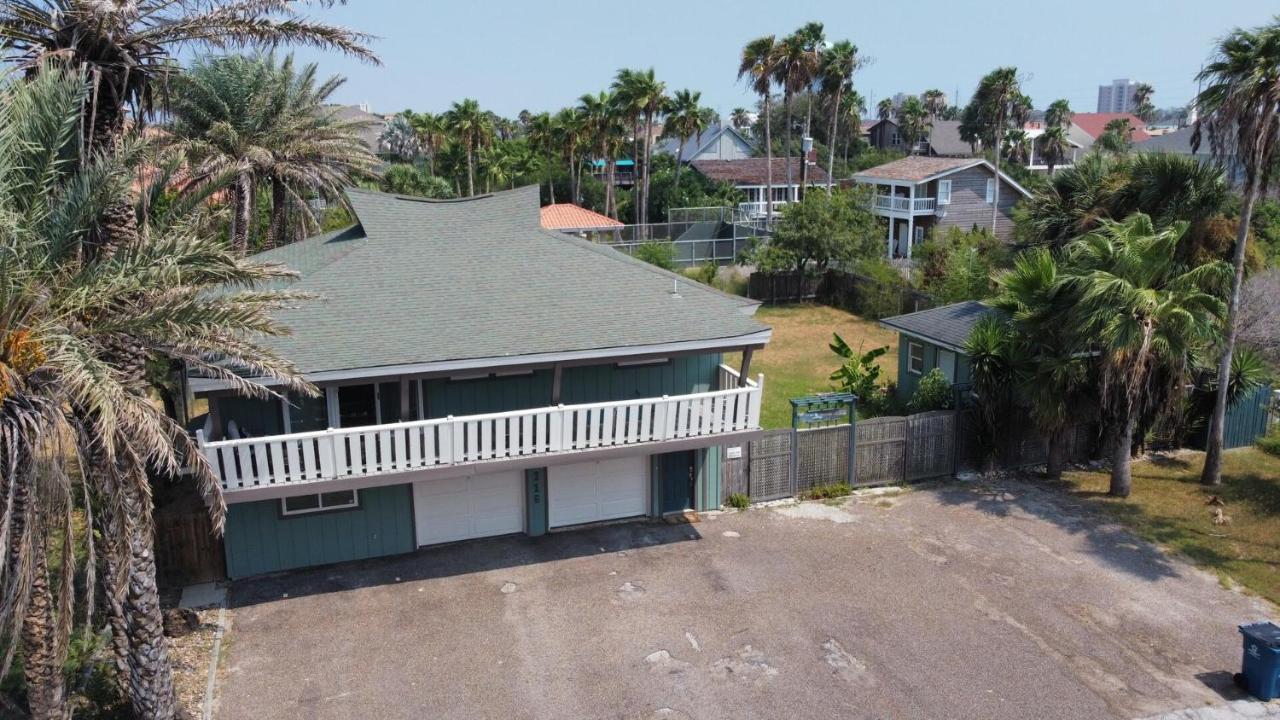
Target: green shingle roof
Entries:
(421, 281)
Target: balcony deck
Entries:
(904, 205)
(247, 467)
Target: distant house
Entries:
(918, 193)
(373, 124)
(1087, 127)
(935, 338)
(568, 217)
(1178, 142)
(943, 140)
(1076, 143)
(718, 142)
(751, 175)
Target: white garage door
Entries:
(469, 507)
(603, 490)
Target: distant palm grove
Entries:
(150, 149)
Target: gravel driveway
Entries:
(952, 601)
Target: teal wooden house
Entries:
(478, 376)
(934, 338)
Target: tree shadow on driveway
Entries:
(1107, 539)
(461, 558)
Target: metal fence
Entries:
(699, 235)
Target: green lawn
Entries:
(1168, 506)
(797, 360)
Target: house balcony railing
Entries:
(620, 177)
(760, 209)
(348, 453)
(895, 203)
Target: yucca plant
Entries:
(176, 296)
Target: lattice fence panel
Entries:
(822, 457)
(930, 447)
(770, 469)
(881, 450)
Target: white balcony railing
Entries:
(424, 444)
(895, 203)
(760, 209)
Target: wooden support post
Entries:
(746, 366)
(556, 374)
(215, 419)
(404, 399)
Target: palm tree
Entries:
(400, 139)
(472, 128)
(129, 51)
(642, 97)
(542, 136)
(884, 109)
(1049, 361)
(600, 120)
(997, 100)
(430, 129)
(260, 123)
(913, 122)
(1116, 137)
(1054, 147)
(1145, 312)
(740, 118)
(1239, 114)
(63, 311)
(813, 39)
(791, 71)
(758, 65)
(1058, 114)
(568, 129)
(686, 118)
(1142, 102)
(1017, 146)
(838, 65)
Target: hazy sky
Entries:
(543, 55)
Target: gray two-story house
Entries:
(920, 194)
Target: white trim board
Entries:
(756, 339)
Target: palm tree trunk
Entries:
(279, 213)
(242, 206)
(1053, 460)
(831, 142)
(995, 197)
(1121, 478)
(551, 181)
(786, 149)
(1212, 473)
(151, 690)
(648, 158)
(768, 163)
(471, 171)
(41, 668)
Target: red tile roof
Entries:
(751, 171)
(1094, 123)
(565, 216)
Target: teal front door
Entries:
(677, 481)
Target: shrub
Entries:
(882, 296)
(705, 273)
(823, 492)
(659, 253)
(932, 393)
(1270, 443)
(738, 500)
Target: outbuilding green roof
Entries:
(419, 281)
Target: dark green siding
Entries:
(487, 395)
(907, 381)
(709, 479)
(259, 540)
(601, 383)
(256, 417)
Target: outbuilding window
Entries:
(319, 502)
(915, 358)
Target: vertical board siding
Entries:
(259, 540)
(253, 416)
(603, 383)
(969, 206)
(446, 397)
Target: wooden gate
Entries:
(930, 445)
(187, 551)
(881, 451)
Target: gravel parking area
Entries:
(960, 600)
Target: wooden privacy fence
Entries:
(186, 549)
(785, 463)
(839, 288)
